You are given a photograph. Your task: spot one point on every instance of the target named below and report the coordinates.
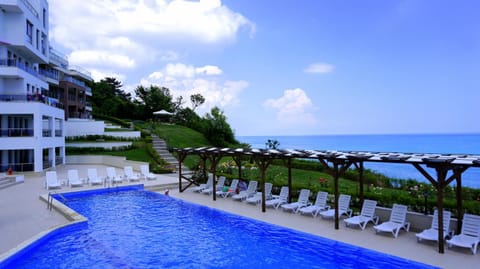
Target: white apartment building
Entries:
(35, 85)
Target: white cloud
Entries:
(208, 70)
(294, 107)
(98, 74)
(320, 68)
(185, 80)
(79, 24)
(100, 58)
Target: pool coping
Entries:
(74, 217)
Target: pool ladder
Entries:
(50, 199)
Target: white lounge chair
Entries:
(112, 175)
(301, 202)
(51, 180)
(343, 208)
(367, 214)
(257, 198)
(73, 179)
(319, 205)
(469, 237)
(93, 177)
(145, 172)
(251, 190)
(230, 191)
(129, 175)
(219, 186)
(279, 200)
(431, 234)
(203, 186)
(398, 221)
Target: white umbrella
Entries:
(162, 112)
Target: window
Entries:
(44, 18)
(29, 32)
(37, 39)
(44, 44)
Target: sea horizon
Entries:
(457, 143)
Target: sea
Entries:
(405, 143)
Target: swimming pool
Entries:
(134, 228)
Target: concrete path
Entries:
(23, 215)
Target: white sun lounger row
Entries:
(73, 179)
(468, 238)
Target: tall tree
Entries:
(197, 100)
(218, 131)
(109, 98)
(154, 98)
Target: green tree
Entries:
(197, 100)
(152, 99)
(217, 129)
(272, 144)
(109, 98)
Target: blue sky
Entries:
(278, 67)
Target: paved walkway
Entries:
(23, 215)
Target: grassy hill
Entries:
(178, 136)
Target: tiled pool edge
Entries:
(71, 215)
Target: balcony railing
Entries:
(81, 70)
(15, 63)
(31, 98)
(17, 167)
(58, 160)
(16, 132)
(46, 133)
(47, 164)
(53, 74)
(30, 7)
(59, 57)
(74, 81)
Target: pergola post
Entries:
(181, 157)
(459, 200)
(263, 163)
(339, 167)
(441, 166)
(214, 159)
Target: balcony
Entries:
(88, 91)
(30, 7)
(53, 74)
(16, 132)
(79, 71)
(74, 81)
(58, 58)
(15, 63)
(31, 98)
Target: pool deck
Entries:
(23, 216)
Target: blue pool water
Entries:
(142, 229)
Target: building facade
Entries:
(37, 92)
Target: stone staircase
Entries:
(6, 182)
(160, 146)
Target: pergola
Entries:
(446, 168)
